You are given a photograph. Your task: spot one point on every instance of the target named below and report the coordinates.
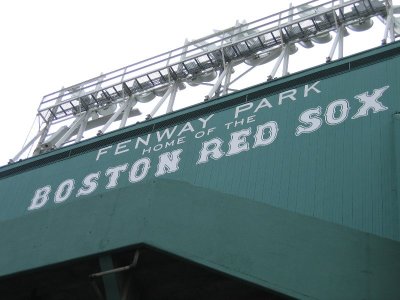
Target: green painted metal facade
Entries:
(291, 184)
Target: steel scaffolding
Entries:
(119, 95)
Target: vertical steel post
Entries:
(285, 66)
(389, 24)
(46, 129)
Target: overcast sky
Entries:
(48, 44)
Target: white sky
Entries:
(47, 44)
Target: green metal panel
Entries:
(312, 215)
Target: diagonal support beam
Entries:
(217, 84)
(172, 98)
(82, 128)
(72, 128)
(227, 82)
(17, 156)
(113, 118)
(284, 53)
(162, 100)
(389, 26)
(131, 102)
(337, 44)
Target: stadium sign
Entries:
(229, 138)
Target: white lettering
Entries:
(139, 170)
(204, 121)
(144, 142)
(312, 87)
(287, 94)
(40, 198)
(238, 142)
(169, 144)
(251, 119)
(242, 107)
(199, 134)
(263, 103)
(89, 184)
(186, 127)
(241, 122)
(165, 132)
(158, 147)
(181, 140)
(64, 190)
(168, 162)
(121, 147)
(210, 130)
(211, 148)
(259, 139)
(311, 118)
(228, 125)
(102, 151)
(370, 102)
(331, 110)
(148, 150)
(113, 175)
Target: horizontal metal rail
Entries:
(207, 54)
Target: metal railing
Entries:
(65, 115)
(209, 53)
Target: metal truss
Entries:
(123, 94)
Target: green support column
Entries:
(396, 141)
(109, 280)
